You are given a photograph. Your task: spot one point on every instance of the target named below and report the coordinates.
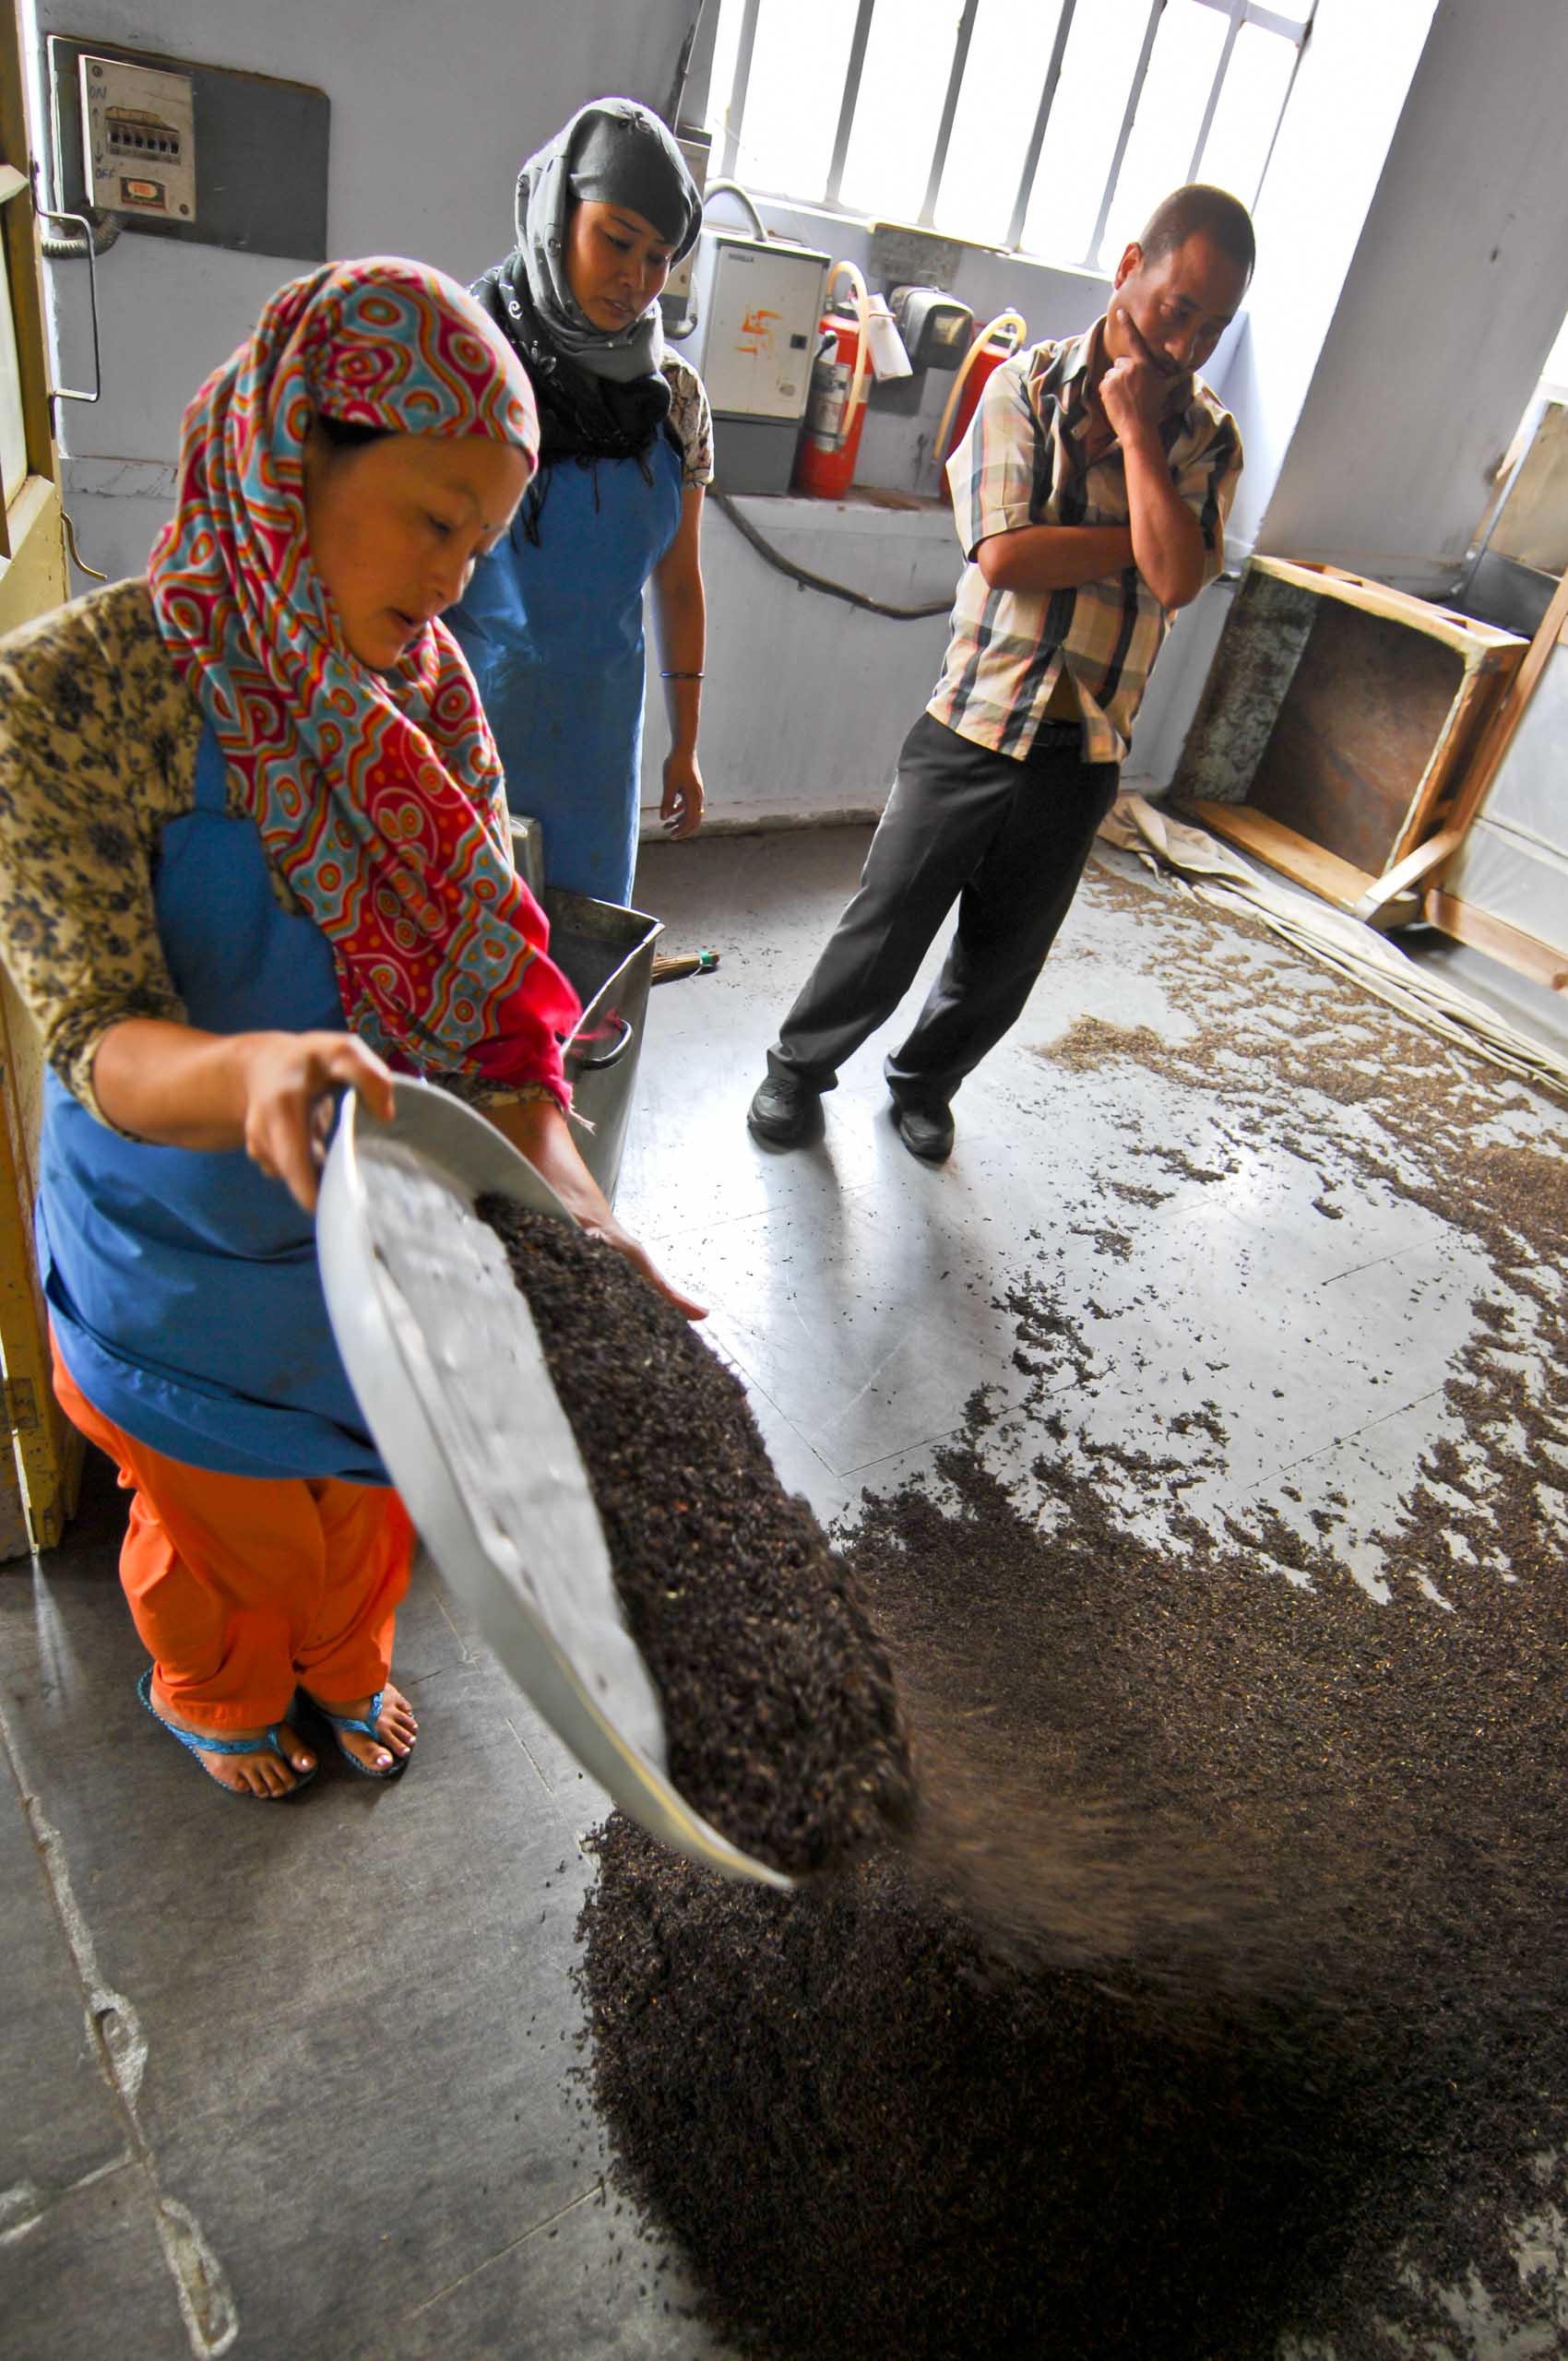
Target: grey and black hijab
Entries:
(600, 395)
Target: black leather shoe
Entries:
(925, 1134)
(782, 1110)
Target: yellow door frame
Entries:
(40, 1471)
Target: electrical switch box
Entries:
(204, 155)
(138, 139)
(759, 303)
(936, 328)
(757, 310)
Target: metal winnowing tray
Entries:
(442, 1350)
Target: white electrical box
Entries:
(758, 307)
(138, 139)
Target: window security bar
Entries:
(1036, 138)
(949, 109)
(851, 95)
(1140, 75)
(735, 114)
(1239, 13)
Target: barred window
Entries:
(1050, 127)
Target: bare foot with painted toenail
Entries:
(267, 1773)
(396, 1727)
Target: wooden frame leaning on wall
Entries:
(41, 1459)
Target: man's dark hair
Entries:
(1197, 210)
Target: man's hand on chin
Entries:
(1134, 390)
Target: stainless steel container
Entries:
(606, 954)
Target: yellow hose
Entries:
(862, 342)
(1018, 328)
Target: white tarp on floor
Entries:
(1216, 872)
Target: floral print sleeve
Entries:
(97, 744)
(98, 753)
(691, 419)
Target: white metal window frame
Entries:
(1239, 12)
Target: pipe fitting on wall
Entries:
(98, 233)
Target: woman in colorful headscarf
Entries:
(552, 621)
(254, 846)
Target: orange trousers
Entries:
(243, 1587)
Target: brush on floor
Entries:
(683, 963)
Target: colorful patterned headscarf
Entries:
(379, 795)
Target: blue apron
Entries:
(555, 633)
(181, 1282)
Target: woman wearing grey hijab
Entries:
(551, 621)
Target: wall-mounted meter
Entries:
(936, 328)
(138, 139)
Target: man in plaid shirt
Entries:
(1090, 496)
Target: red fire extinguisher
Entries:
(836, 407)
(996, 343)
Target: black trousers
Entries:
(1004, 839)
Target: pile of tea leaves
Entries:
(1216, 2001)
(781, 1718)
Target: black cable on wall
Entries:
(829, 589)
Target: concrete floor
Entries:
(294, 2081)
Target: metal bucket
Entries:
(607, 955)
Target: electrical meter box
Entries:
(201, 155)
(138, 139)
(759, 308)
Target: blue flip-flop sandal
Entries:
(363, 1725)
(271, 1741)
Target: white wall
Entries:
(433, 111)
(1413, 271)
(807, 700)
(1412, 274)
(1323, 180)
(1456, 291)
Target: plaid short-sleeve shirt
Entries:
(1021, 463)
